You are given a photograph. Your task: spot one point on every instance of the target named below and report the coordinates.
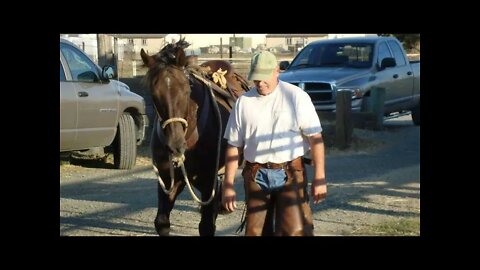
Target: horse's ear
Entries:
(147, 59)
(181, 58)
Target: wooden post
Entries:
(115, 58)
(221, 48)
(343, 125)
(377, 99)
(105, 50)
(134, 67)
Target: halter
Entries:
(176, 119)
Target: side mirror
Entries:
(387, 62)
(284, 65)
(108, 72)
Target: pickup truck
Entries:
(359, 64)
(98, 115)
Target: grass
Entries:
(402, 227)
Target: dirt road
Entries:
(374, 183)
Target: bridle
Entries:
(175, 119)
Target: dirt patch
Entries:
(373, 189)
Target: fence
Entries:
(344, 120)
(131, 65)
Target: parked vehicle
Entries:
(98, 115)
(359, 64)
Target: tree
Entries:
(409, 41)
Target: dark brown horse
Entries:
(187, 139)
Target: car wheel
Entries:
(125, 147)
(416, 115)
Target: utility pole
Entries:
(230, 48)
(221, 48)
(105, 50)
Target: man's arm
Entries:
(319, 184)
(231, 165)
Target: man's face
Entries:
(265, 87)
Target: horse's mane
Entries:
(167, 56)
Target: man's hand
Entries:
(228, 197)
(319, 190)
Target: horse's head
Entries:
(170, 91)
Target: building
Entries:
(290, 42)
(242, 43)
(131, 44)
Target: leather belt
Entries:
(271, 165)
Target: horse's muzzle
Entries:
(177, 160)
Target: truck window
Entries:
(356, 55)
(62, 73)
(383, 52)
(81, 68)
(304, 57)
(397, 53)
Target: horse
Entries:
(187, 138)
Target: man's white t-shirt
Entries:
(270, 128)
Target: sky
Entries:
(203, 40)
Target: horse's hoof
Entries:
(163, 229)
(206, 230)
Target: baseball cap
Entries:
(262, 66)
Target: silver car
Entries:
(98, 115)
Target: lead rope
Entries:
(217, 111)
(243, 220)
(193, 193)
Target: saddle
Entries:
(226, 83)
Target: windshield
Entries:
(356, 55)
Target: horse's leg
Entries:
(209, 212)
(165, 206)
(165, 202)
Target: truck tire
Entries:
(125, 147)
(416, 115)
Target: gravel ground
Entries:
(377, 180)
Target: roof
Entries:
(371, 39)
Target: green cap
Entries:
(262, 66)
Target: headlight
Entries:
(356, 93)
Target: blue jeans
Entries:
(271, 179)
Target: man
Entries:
(273, 126)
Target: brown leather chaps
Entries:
(282, 212)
